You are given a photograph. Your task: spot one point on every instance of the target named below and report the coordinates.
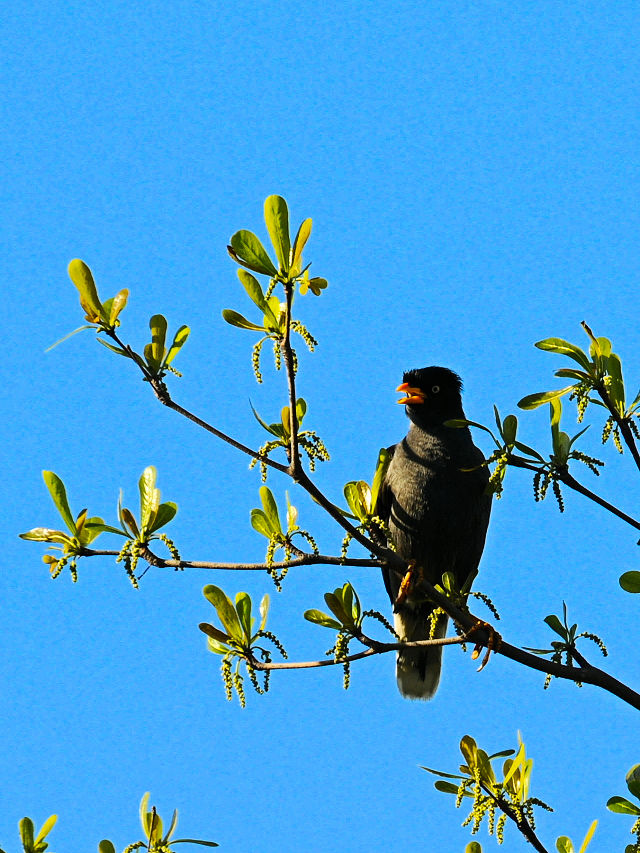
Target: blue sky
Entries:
(472, 173)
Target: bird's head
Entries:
(431, 395)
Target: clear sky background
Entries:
(472, 173)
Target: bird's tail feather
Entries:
(418, 670)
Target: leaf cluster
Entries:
(32, 842)
(621, 805)
(237, 640)
(281, 430)
(600, 371)
(288, 270)
(83, 530)
(564, 650)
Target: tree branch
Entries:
(523, 824)
(304, 560)
(565, 477)
(376, 648)
(294, 457)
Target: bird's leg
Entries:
(412, 577)
(493, 643)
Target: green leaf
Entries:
(158, 326)
(128, 518)
(335, 604)
(555, 415)
(629, 581)
(117, 350)
(633, 780)
(225, 610)
(235, 319)
(556, 625)
(384, 458)
(248, 251)
(243, 608)
(212, 631)
(143, 812)
(46, 534)
(91, 530)
(532, 401)
(46, 828)
(440, 773)
(353, 495)
(260, 523)
(118, 303)
(59, 496)
(106, 846)
(253, 288)
(276, 217)
(510, 428)
(81, 276)
(565, 348)
(195, 841)
(149, 496)
(460, 423)
(301, 410)
(503, 754)
(317, 285)
(469, 750)
(26, 832)
(473, 847)
(264, 611)
(564, 845)
(172, 826)
(270, 509)
(569, 373)
(179, 340)
(620, 805)
(588, 837)
(616, 386)
(320, 618)
(75, 332)
(514, 764)
(446, 787)
(164, 514)
(101, 527)
(524, 448)
(304, 232)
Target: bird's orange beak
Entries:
(412, 397)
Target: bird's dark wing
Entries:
(383, 511)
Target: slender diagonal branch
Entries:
(163, 395)
(523, 824)
(565, 477)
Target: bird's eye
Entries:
(435, 389)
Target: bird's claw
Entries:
(412, 577)
(493, 643)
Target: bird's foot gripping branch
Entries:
(430, 495)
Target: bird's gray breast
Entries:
(438, 513)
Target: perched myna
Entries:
(437, 515)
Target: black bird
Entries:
(437, 515)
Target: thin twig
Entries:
(565, 477)
(376, 648)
